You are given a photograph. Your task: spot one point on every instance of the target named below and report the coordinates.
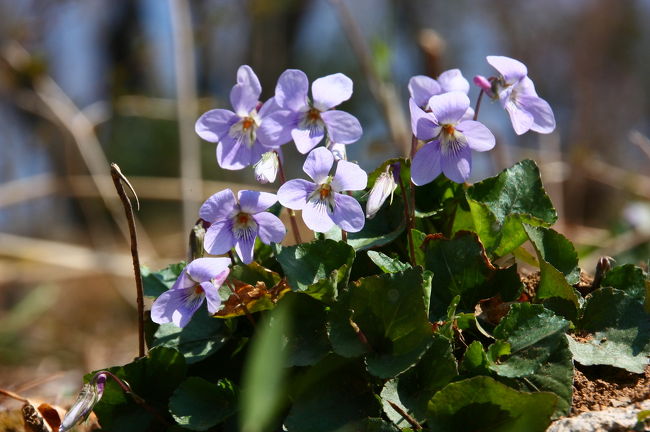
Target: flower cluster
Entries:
(443, 123)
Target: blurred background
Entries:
(88, 82)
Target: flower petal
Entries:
(212, 296)
(291, 90)
(453, 80)
(295, 193)
(512, 70)
(348, 214)
(421, 88)
(232, 155)
(317, 216)
(478, 136)
(183, 281)
(254, 201)
(271, 229)
(318, 164)
(540, 110)
(245, 94)
(206, 269)
(219, 206)
(521, 120)
(276, 126)
(448, 108)
(175, 306)
(426, 164)
(219, 238)
(306, 139)
(349, 177)
(342, 127)
(456, 166)
(244, 248)
(329, 91)
(423, 124)
(215, 124)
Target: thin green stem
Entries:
(407, 217)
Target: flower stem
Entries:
(344, 236)
(118, 178)
(478, 104)
(407, 217)
(292, 213)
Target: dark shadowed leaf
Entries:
(198, 404)
(413, 389)
(481, 403)
(389, 312)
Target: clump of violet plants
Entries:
(405, 311)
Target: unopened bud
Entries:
(383, 188)
(338, 150)
(90, 394)
(483, 83)
(266, 169)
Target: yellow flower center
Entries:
(313, 115)
(325, 191)
(448, 129)
(247, 123)
(198, 289)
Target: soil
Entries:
(597, 388)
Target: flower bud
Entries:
(483, 83)
(383, 188)
(338, 150)
(266, 169)
(90, 394)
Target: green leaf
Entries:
(628, 278)
(386, 263)
(253, 273)
(475, 360)
(539, 357)
(156, 283)
(413, 389)
(620, 328)
(433, 198)
(263, 381)
(555, 249)
(550, 245)
(153, 378)
(481, 403)
(500, 204)
(332, 395)
(460, 266)
(200, 338)
(307, 342)
(320, 268)
(389, 312)
(198, 404)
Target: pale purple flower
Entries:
(422, 87)
(199, 281)
(311, 119)
(243, 135)
(517, 95)
(338, 150)
(238, 222)
(450, 139)
(322, 202)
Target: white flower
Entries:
(266, 169)
(383, 188)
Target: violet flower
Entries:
(266, 169)
(322, 202)
(518, 96)
(199, 281)
(237, 224)
(243, 135)
(87, 398)
(311, 119)
(422, 87)
(451, 139)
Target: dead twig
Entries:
(118, 178)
